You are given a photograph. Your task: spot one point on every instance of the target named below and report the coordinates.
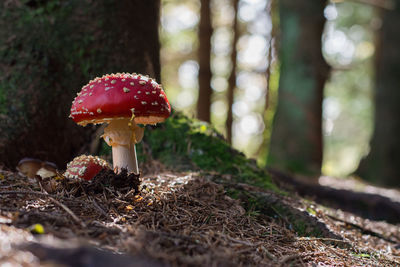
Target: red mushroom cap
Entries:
(85, 167)
(119, 96)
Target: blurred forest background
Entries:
(305, 86)
(251, 40)
(347, 45)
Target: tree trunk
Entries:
(382, 165)
(296, 139)
(204, 54)
(232, 77)
(49, 50)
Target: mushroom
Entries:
(48, 169)
(85, 167)
(122, 100)
(31, 167)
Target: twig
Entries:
(323, 239)
(100, 209)
(366, 231)
(287, 258)
(76, 219)
(27, 193)
(268, 254)
(42, 216)
(242, 241)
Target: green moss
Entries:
(362, 255)
(189, 144)
(185, 144)
(43, 57)
(256, 204)
(233, 193)
(251, 204)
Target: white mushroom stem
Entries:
(122, 135)
(125, 157)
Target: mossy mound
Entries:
(188, 144)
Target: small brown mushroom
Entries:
(31, 167)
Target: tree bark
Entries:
(232, 77)
(204, 54)
(382, 165)
(296, 139)
(49, 50)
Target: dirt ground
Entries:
(176, 219)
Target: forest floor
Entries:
(177, 219)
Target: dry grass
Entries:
(181, 219)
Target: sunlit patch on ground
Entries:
(358, 185)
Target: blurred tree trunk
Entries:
(271, 94)
(49, 50)
(232, 77)
(204, 54)
(382, 165)
(296, 139)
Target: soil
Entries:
(172, 219)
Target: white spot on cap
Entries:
(136, 97)
(91, 86)
(108, 88)
(132, 83)
(99, 110)
(153, 92)
(144, 102)
(126, 90)
(155, 103)
(80, 101)
(139, 92)
(123, 80)
(147, 93)
(142, 82)
(113, 81)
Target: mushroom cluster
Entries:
(31, 167)
(122, 101)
